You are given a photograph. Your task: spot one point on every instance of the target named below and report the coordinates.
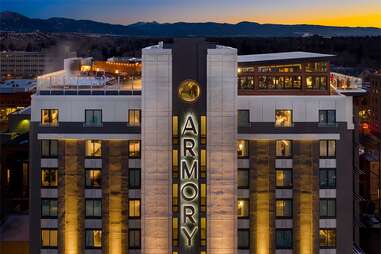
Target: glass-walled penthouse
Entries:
(83, 76)
(284, 73)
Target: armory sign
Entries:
(189, 170)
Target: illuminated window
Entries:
(283, 118)
(283, 208)
(93, 207)
(49, 117)
(134, 238)
(175, 231)
(327, 148)
(134, 117)
(243, 148)
(283, 178)
(93, 148)
(327, 117)
(321, 82)
(93, 238)
(93, 178)
(93, 117)
(243, 239)
(243, 208)
(327, 208)
(327, 178)
(316, 67)
(283, 148)
(283, 238)
(134, 208)
(49, 177)
(48, 208)
(327, 238)
(246, 82)
(134, 148)
(49, 148)
(243, 178)
(309, 82)
(134, 178)
(49, 238)
(243, 118)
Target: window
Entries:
(246, 82)
(283, 208)
(243, 239)
(243, 148)
(49, 177)
(243, 118)
(49, 117)
(327, 178)
(283, 239)
(327, 208)
(134, 117)
(49, 148)
(327, 117)
(93, 117)
(283, 148)
(134, 238)
(309, 82)
(321, 83)
(134, 208)
(134, 178)
(283, 178)
(283, 118)
(93, 178)
(93, 238)
(93, 148)
(327, 238)
(134, 148)
(243, 208)
(327, 148)
(48, 208)
(49, 238)
(243, 178)
(93, 207)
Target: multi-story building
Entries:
(217, 153)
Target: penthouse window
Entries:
(93, 117)
(327, 178)
(134, 117)
(134, 208)
(327, 208)
(49, 238)
(316, 67)
(49, 177)
(327, 117)
(93, 178)
(283, 208)
(243, 118)
(243, 208)
(48, 208)
(93, 148)
(243, 148)
(283, 238)
(49, 117)
(283, 148)
(93, 208)
(280, 68)
(327, 148)
(134, 148)
(283, 178)
(283, 118)
(246, 82)
(279, 82)
(134, 239)
(93, 238)
(49, 148)
(327, 238)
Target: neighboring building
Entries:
(373, 103)
(182, 164)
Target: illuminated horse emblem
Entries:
(189, 90)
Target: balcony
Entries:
(57, 83)
(345, 84)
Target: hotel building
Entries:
(193, 150)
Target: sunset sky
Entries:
(322, 12)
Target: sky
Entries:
(321, 12)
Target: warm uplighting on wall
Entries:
(306, 223)
(262, 223)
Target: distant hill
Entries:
(11, 21)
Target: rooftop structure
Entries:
(284, 56)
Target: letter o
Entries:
(189, 191)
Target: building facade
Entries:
(191, 163)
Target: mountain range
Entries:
(11, 21)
